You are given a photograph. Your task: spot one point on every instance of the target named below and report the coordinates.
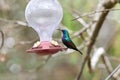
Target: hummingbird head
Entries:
(65, 33)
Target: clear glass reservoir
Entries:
(44, 16)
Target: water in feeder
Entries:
(44, 16)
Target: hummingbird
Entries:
(67, 41)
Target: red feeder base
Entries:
(46, 48)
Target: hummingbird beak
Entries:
(59, 29)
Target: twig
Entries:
(82, 67)
(45, 62)
(107, 63)
(116, 69)
(96, 56)
(28, 42)
(21, 23)
(108, 66)
(114, 58)
(2, 35)
(94, 12)
(81, 21)
(84, 29)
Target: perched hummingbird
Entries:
(67, 40)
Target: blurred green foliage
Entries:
(60, 67)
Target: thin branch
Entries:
(84, 29)
(108, 66)
(114, 58)
(28, 42)
(44, 63)
(96, 56)
(2, 37)
(94, 12)
(81, 21)
(107, 63)
(82, 67)
(17, 22)
(116, 69)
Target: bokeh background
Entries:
(17, 64)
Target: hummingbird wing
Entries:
(69, 44)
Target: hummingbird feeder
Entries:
(44, 16)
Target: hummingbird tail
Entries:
(80, 52)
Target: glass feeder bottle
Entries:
(44, 16)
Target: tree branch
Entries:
(96, 26)
(21, 23)
(2, 37)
